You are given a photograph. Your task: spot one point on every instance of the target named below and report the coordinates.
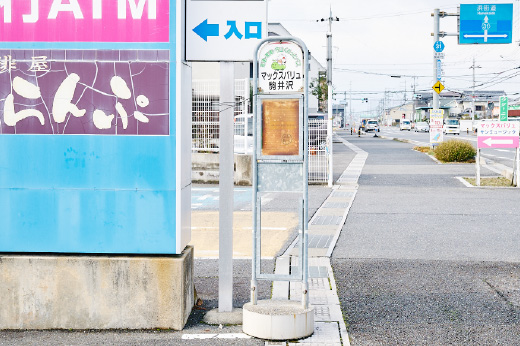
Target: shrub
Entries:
(455, 151)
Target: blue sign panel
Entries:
(88, 131)
(438, 46)
(486, 24)
(439, 69)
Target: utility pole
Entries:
(329, 97)
(437, 14)
(473, 91)
(350, 105)
(436, 27)
(414, 100)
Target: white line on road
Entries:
(216, 336)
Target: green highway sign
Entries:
(503, 108)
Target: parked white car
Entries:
(422, 127)
(405, 125)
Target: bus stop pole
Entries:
(226, 165)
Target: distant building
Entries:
(455, 104)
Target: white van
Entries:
(451, 126)
(405, 125)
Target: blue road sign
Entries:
(438, 46)
(439, 69)
(486, 24)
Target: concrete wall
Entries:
(205, 168)
(96, 292)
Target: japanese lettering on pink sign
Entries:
(100, 92)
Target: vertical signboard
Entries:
(436, 126)
(503, 108)
(88, 127)
(280, 155)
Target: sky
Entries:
(376, 39)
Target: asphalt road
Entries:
(424, 260)
(503, 156)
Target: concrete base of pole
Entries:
(225, 318)
(278, 320)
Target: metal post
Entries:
(255, 235)
(517, 166)
(436, 101)
(246, 112)
(478, 167)
(350, 107)
(226, 164)
(329, 100)
(305, 204)
(473, 92)
(414, 100)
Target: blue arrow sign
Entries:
(485, 24)
(438, 46)
(205, 30)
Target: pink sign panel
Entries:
(498, 142)
(498, 134)
(84, 20)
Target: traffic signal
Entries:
(365, 100)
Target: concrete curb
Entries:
(496, 167)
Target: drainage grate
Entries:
(327, 220)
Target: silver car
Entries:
(422, 127)
(372, 125)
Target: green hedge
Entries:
(455, 151)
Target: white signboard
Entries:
(229, 30)
(436, 125)
(280, 68)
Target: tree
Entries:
(320, 89)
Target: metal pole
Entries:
(517, 166)
(255, 235)
(478, 167)
(350, 106)
(414, 100)
(226, 164)
(473, 92)
(436, 101)
(329, 99)
(305, 212)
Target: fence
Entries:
(205, 112)
(318, 161)
(205, 126)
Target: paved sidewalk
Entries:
(324, 231)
